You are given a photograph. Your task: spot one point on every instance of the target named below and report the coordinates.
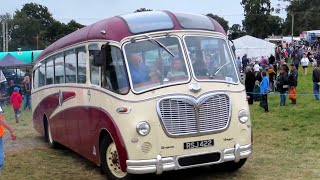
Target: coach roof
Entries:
(118, 27)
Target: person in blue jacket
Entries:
(263, 91)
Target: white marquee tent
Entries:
(253, 47)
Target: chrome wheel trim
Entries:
(113, 161)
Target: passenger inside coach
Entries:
(176, 69)
(138, 70)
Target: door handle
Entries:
(89, 94)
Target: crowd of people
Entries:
(277, 74)
(18, 94)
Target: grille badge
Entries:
(194, 87)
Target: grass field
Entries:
(286, 146)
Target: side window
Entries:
(36, 78)
(42, 75)
(94, 70)
(59, 69)
(114, 76)
(71, 66)
(82, 63)
(49, 71)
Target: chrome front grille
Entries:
(214, 113)
(187, 116)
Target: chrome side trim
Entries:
(160, 164)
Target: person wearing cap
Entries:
(4, 124)
(11, 87)
(16, 100)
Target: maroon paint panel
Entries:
(115, 28)
(218, 27)
(174, 19)
(45, 107)
(67, 95)
(78, 128)
(109, 124)
(91, 121)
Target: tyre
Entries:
(48, 135)
(110, 164)
(230, 166)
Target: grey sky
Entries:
(90, 11)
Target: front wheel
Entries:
(230, 166)
(110, 163)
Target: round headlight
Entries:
(143, 128)
(243, 116)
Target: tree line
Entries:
(33, 27)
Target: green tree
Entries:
(256, 13)
(57, 30)
(142, 10)
(24, 33)
(29, 27)
(306, 16)
(275, 25)
(34, 27)
(236, 31)
(224, 23)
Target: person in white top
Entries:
(304, 63)
(256, 67)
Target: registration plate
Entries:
(198, 144)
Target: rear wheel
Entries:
(230, 166)
(110, 163)
(48, 135)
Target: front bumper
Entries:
(160, 164)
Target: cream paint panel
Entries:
(239, 133)
(146, 111)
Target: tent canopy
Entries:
(253, 47)
(25, 56)
(10, 61)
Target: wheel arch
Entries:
(45, 126)
(114, 134)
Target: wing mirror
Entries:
(100, 57)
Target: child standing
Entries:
(263, 91)
(16, 100)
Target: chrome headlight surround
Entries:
(243, 116)
(143, 128)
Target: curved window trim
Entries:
(53, 55)
(212, 36)
(161, 86)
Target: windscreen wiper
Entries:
(159, 44)
(212, 75)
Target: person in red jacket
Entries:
(16, 100)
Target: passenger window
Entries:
(82, 72)
(59, 69)
(42, 75)
(36, 78)
(49, 71)
(71, 66)
(114, 74)
(94, 70)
